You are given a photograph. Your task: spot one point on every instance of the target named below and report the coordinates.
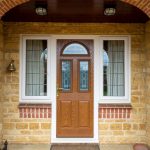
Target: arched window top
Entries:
(75, 49)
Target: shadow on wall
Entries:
(4, 146)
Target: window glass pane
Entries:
(66, 75)
(36, 68)
(75, 48)
(84, 75)
(113, 68)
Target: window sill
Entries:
(35, 101)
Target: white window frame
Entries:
(23, 97)
(98, 73)
(116, 99)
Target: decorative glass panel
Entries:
(113, 68)
(84, 75)
(36, 68)
(74, 49)
(66, 75)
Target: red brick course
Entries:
(35, 110)
(113, 111)
(6, 5)
(106, 111)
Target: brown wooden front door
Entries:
(74, 88)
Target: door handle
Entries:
(58, 90)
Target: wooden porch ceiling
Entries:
(81, 11)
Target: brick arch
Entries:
(143, 5)
(6, 5)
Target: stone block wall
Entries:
(1, 77)
(147, 45)
(111, 130)
(133, 129)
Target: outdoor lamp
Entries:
(42, 11)
(110, 11)
(11, 67)
(41, 8)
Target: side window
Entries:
(115, 69)
(35, 69)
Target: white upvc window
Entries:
(115, 70)
(35, 67)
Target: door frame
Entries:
(96, 50)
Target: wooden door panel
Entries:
(66, 113)
(84, 114)
(75, 106)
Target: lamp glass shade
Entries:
(41, 11)
(109, 11)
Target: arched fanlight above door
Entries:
(75, 49)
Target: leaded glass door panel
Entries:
(74, 88)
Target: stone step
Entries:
(75, 147)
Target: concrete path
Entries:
(47, 147)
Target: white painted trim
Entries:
(116, 99)
(33, 99)
(54, 139)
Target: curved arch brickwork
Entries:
(143, 5)
(6, 5)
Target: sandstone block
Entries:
(22, 126)
(116, 126)
(126, 126)
(103, 126)
(34, 126)
(45, 125)
(8, 125)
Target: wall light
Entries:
(110, 11)
(40, 10)
(11, 67)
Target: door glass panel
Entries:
(66, 75)
(84, 75)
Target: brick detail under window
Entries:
(106, 111)
(112, 111)
(35, 110)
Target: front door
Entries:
(74, 88)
